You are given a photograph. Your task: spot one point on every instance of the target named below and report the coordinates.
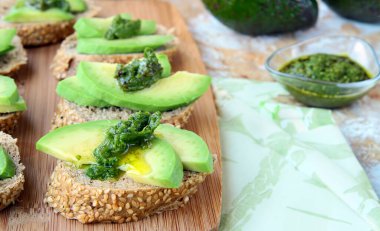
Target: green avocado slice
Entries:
(97, 27)
(6, 36)
(20, 105)
(102, 46)
(166, 94)
(7, 167)
(71, 90)
(77, 6)
(191, 149)
(158, 165)
(8, 91)
(26, 14)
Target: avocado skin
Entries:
(363, 11)
(260, 17)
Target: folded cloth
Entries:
(287, 168)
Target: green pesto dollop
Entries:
(136, 131)
(48, 4)
(327, 67)
(122, 28)
(140, 73)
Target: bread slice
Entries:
(8, 121)
(14, 59)
(70, 113)
(75, 196)
(42, 33)
(67, 58)
(11, 188)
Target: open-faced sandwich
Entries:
(11, 171)
(12, 53)
(104, 91)
(11, 104)
(117, 39)
(123, 170)
(40, 22)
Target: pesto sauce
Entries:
(48, 4)
(327, 67)
(122, 28)
(137, 131)
(140, 73)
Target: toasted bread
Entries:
(67, 58)
(11, 188)
(69, 113)
(43, 33)
(75, 196)
(14, 59)
(8, 121)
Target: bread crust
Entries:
(75, 196)
(67, 58)
(41, 33)
(8, 121)
(12, 61)
(10, 189)
(69, 113)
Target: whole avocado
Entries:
(364, 11)
(259, 17)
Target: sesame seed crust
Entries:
(41, 33)
(8, 121)
(11, 188)
(69, 113)
(67, 58)
(12, 61)
(75, 196)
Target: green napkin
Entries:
(287, 167)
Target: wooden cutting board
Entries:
(38, 87)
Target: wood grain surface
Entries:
(38, 87)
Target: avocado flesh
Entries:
(191, 149)
(260, 17)
(20, 105)
(7, 167)
(26, 14)
(6, 36)
(102, 46)
(166, 94)
(71, 90)
(365, 11)
(158, 165)
(97, 27)
(77, 6)
(75, 143)
(8, 91)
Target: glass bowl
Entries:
(319, 93)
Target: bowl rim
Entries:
(303, 78)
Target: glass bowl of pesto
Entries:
(327, 71)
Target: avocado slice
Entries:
(259, 17)
(26, 14)
(8, 91)
(7, 167)
(158, 165)
(20, 105)
(191, 149)
(6, 36)
(166, 94)
(97, 27)
(102, 46)
(77, 6)
(71, 90)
